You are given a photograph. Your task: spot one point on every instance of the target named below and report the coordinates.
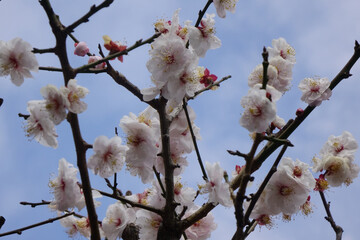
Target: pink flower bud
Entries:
(81, 49)
(299, 112)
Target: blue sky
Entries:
(322, 32)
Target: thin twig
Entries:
(51, 69)
(265, 64)
(211, 85)
(157, 174)
(20, 230)
(41, 51)
(43, 202)
(202, 13)
(94, 9)
(338, 230)
(131, 203)
(194, 141)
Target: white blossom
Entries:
(315, 90)
(299, 171)
(109, 156)
(218, 190)
(39, 126)
(256, 76)
(65, 188)
(259, 111)
(285, 193)
(344, 145)
(73, 92)
(149, 224)
(284, 73)
(55, 103)
(339, 170)
(202, 229)
(203, 37)
(17, 60)
(76, 226)
(118, 216)
(142, 140)
(222, 5)
(283, 49)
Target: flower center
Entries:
(297, 171)
(285, 190)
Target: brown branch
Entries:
(51, 69)
(131, 203)
(265, 65)
(169, 230)
(202, 13)
(338, 230)
(123, 81)
(198, 215)
(2, 221)
(94, 9)
(81, 146)
(41, 51)
(240, 195)
(20, 230)
(205, 177)
(43, 202)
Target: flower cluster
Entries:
(173, 64)
(337, 161)
(144, 143)
(45, 114)
(287, 191)
(17, 60)
(259, 105)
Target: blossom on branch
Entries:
(344, 145)
(65, 187)
(17, 60)
(109, 156)
(55, 103)
(315, 90)
(202, 229)
(142, 140)
(81, 49)
(218, 190)
(73, 92)
(283, 49)
(222, 5)
(40, 126)
(118, 216)
(203, 37)
(149, 224)
(259, 111)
